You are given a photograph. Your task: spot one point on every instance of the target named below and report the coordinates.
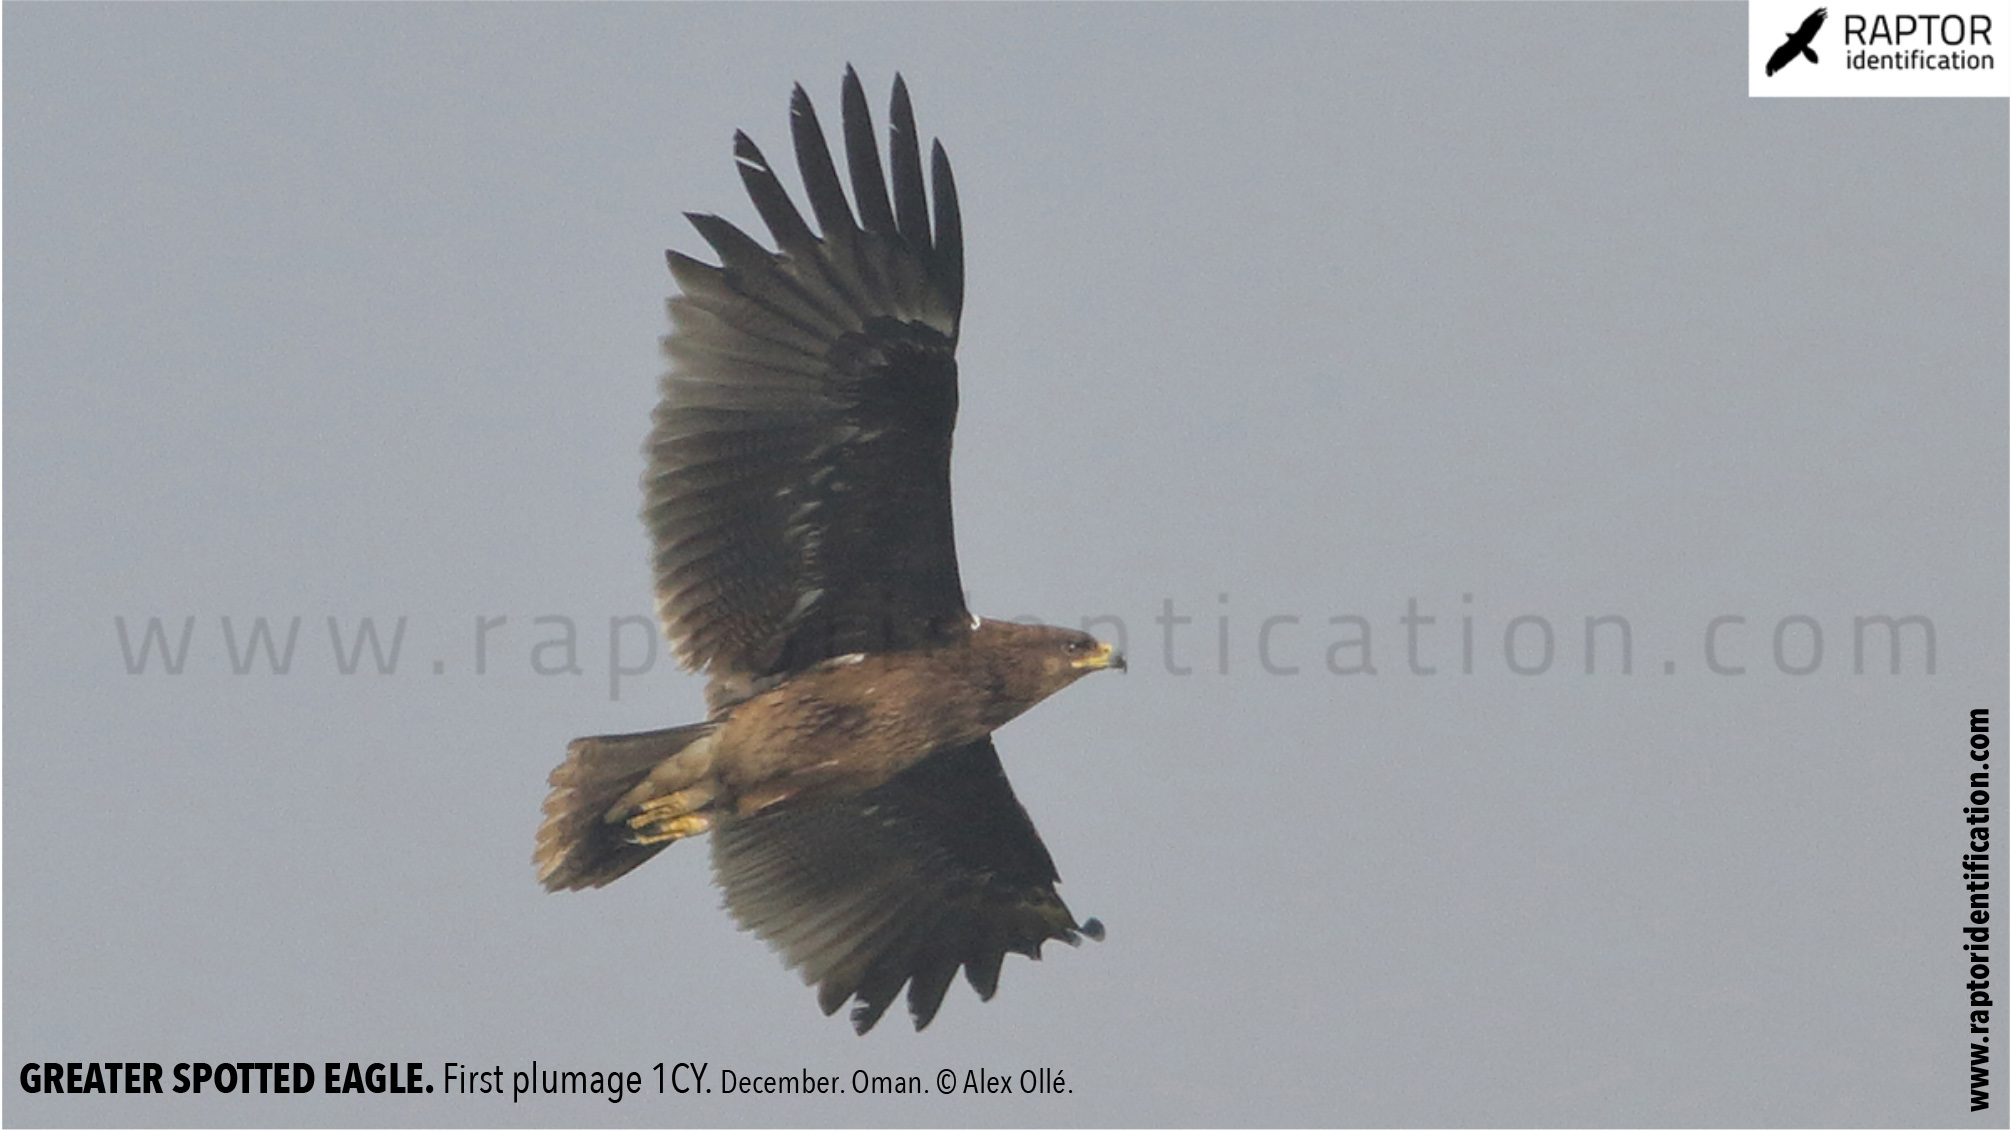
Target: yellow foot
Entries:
(648, 829)
(673, 816)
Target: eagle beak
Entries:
(1104, 657)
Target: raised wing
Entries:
(938, 868)
(798, 489)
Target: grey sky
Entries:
(1278, 314)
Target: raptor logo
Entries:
(1798, 43)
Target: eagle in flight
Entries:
(1798, 42)
(798, 499)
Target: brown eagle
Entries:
(798, 495)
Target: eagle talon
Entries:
(673, 815)
(687, 801)
(651, 828)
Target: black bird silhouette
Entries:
(1798, 43)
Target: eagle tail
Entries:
(1809, 53)
(578, 846)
